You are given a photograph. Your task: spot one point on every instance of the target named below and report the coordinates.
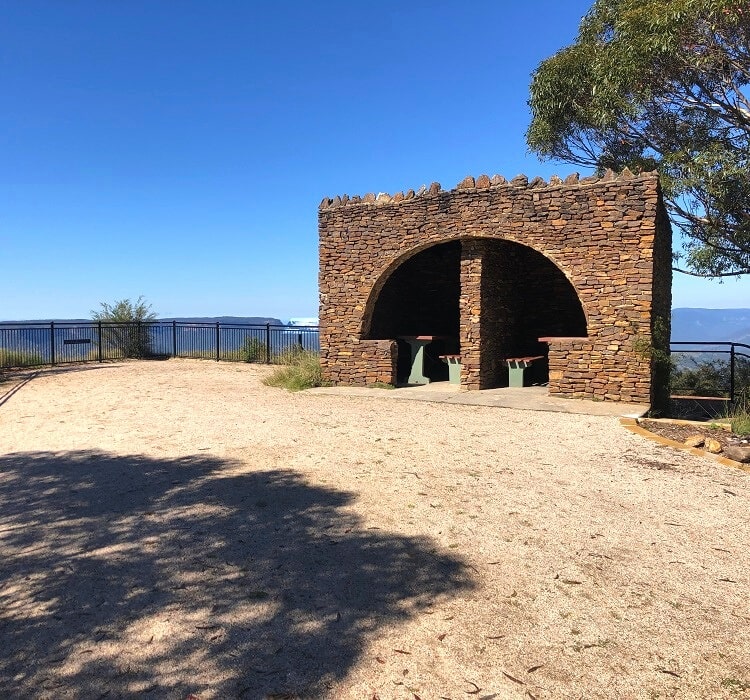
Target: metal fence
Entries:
(720, 368)
(56, 342)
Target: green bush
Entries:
(19, 358)
(253, 350)
(302, 371)
(290, 355)
(741, 424)
(126, 332)
(739, 416)
(708, 377)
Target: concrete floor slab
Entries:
(532, 398)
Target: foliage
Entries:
(19, 358)
(740, 423)
(253, 350)
(660, 84)
(739, 413)
(302, 372)
(709, 377)
(124, 311)
(290, 355)
(124, 332)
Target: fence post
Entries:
(268, 343)
(52, 340)
(731, 374)
(218, 336)
(174, 338)
(99, 331)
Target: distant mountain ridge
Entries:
(687, 323)
(711, 324)
(239, 320)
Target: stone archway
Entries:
(587, 265)
(524, 297)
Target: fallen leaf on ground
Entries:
(475, 691)
(512, 678)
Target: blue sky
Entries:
(179, 150)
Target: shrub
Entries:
(126, 336)
(20, 358)
(303, 371)
(741, 424)
(253, 350)
(739, 416)
(290, 354)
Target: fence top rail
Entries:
(714, 352)
(713, 343)
(183, 324)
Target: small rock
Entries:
(713, 446)
(694, 440)
(435, 188)
(483, 181)
(738, 454)
(466, 184)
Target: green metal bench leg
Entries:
(515, 372)
(454, 371)
(515, 376)
(416, 376)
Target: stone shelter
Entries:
(569, 278)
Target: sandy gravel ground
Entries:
(176, 529)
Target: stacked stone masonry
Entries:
(583, 263)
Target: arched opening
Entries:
(524, 297)
(521, 297)
(420, 298)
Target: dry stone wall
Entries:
(609, 236)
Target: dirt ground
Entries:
(176, 529)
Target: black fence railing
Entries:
(711, 368)
(33, 344)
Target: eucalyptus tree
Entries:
(660, 84)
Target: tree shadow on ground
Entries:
(132, 576)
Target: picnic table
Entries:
(516, 368)
(417, 344)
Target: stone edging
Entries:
(632, 425)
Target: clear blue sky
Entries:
(179, 150)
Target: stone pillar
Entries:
(501, 310)
(470, 309)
